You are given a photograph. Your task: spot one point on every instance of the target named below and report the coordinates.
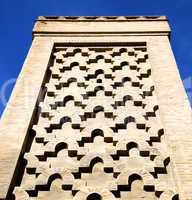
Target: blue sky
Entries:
(17, 19)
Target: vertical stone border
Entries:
(18, 113)
(175, 112)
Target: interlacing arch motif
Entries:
(98, 134)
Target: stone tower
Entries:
(98, 112)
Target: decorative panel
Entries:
(97, 132)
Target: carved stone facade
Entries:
(96, 129)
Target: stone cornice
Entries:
(103, 25)
(102, 18)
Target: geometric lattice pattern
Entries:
(98, 132)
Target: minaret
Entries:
(98, 112)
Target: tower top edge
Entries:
(113, 25)
(101, 18)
